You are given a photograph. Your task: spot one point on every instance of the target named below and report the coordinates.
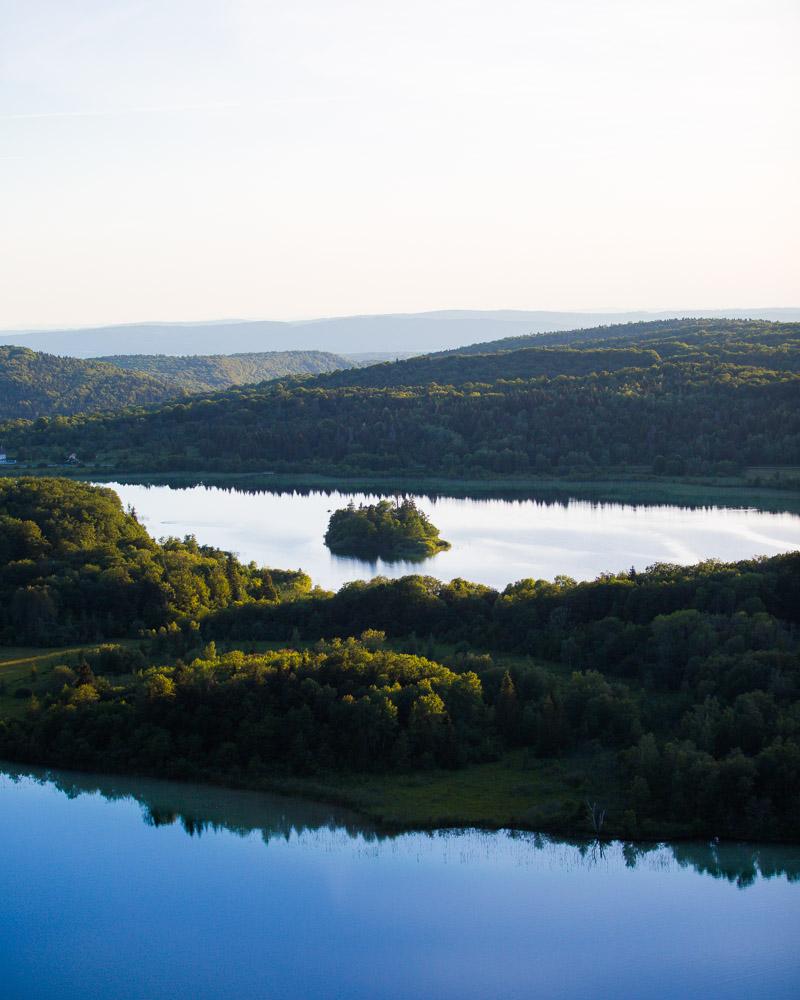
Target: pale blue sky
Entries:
(191, 159)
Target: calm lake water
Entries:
(493, 541)
(129, 889)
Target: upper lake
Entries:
(121, 888)
(495, 542)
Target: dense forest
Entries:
(34, 385)
(383, 530)
(203, 373)
(460, 369)
(728, 399)
(686, 678)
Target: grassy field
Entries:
(29, 667)
(519, 790)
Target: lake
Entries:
(118, 888)
(493, 541)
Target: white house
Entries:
(4, 459)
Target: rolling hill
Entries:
(33, 384)
(546, 411)
(457, 369)
(755, 343)
(697, 332)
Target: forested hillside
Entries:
(458, 369)
(34, 385)
(201, 373)
(711, 406)
(673, 694)
(742, 343)
(699, 333)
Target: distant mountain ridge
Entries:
(397, 332)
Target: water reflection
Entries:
(494, 542)
(201, 808)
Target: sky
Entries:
(201, 159)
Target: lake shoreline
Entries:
(732, 492)
(347, 791)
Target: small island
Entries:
(383, 530)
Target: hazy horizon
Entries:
(213, 158)
(734, 312)
(381, 332)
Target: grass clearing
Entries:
(519, 790)
(30, 667)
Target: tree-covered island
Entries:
(383, 530)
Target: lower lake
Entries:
(119, 888)
(495, 542)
